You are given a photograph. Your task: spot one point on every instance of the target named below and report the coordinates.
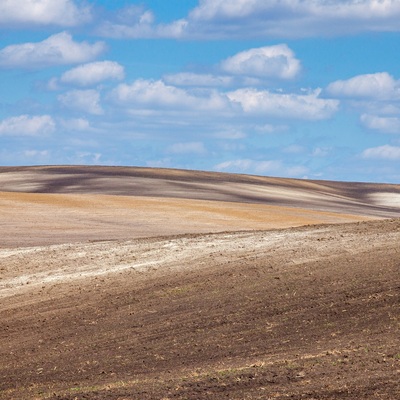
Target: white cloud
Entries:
(82, 100)
(192, 79)
(131, 21)
(151, 97)
(240, 19)
(246, 165)
(385, 152)
(156, 94)
(187, 148)
(25, 125)
(137, 22)
(250, 67)
(42, 12)
(144, 29)
(308, 106)
(58, 49)
(382, 124)
(93, 73)
(134, 14)
(371, 86)
(264, 62)
(291, 18)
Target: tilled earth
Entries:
(301, 313)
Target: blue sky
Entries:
(291, 88)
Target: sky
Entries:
(289, 88)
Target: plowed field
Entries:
(108, 295)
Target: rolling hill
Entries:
(133, 283)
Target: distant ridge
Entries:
(370, 199)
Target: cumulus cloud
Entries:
(42, 12)
(382, 124)
(292, 18)
(58, 49)
(25, 125)
(264, 62)
(131, 21)
(246, 165)
(262, 102)
(216, 19)
(193, 79)
(145, 29)
(145, 93)
(154, 93)
(385, 152)
(156, 96)
(137, 22)
(371, 86)
(93, 73)
(87, 101)
(248, 67)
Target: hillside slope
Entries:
(49, 205)
(303, 313)
(130, 283)
(345, 197)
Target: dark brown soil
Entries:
(301, 313)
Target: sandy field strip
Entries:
(30, 219)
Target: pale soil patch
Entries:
(386, 199)
(24, 269)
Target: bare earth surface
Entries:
(127, 283)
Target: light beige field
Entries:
(36, 219)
